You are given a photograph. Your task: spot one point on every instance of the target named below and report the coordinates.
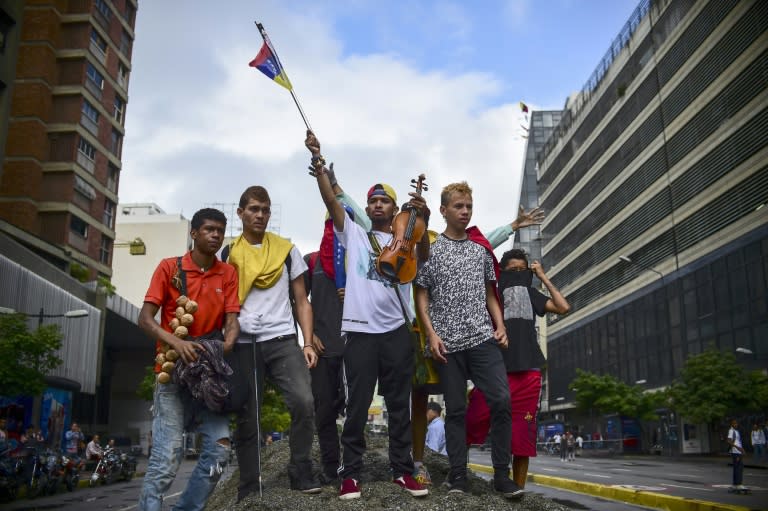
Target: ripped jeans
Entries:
(167, 452)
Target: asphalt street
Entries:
(697, 478)
(700, 479)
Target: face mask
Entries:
(509, 278)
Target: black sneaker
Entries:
(328, 478)
(307, 484)
(507, 487)
(457, 484)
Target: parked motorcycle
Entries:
(113, 465)
(54, 471)
(10, 474)
(72, 466)
(106, 469)
(127, 466)
(34, 471)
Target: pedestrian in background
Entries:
(73, 438)
(758, 443)
(435, 429)
(737, 454)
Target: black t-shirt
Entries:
(520, 304)
(326, 309)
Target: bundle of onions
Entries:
(167, 358)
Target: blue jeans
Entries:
(759, 452)
(738, 468)
(167, 452)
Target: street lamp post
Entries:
(77, 313)
(628, 260)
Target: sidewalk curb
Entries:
(641, 498)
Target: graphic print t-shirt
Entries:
(371, 304)
(455, 275)
(521, 304)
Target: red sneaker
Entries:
(349, 489)
(409, 484)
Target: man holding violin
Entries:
(379, 344)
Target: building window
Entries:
(125, 43)
(105, 250)
(122, 76)
(109, 213)
(94, 80)
(86, 155)
(130, 12)
(113, 174)
(119, 109)
(116, 143)
(78, 226)
(90, 117)
(86, 149)
(103, 8)
(6, 24)
(98, 46)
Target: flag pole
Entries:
(272, 49)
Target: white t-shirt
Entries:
(266, 313)
(733, 434)
(371, 304)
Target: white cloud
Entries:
(378, 117)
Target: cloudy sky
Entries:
(392, 89)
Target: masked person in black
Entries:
(521, 303)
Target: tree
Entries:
(712, 386)
(146, 389)
(274, 413)
(26, 357)
(606, 394)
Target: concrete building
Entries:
(64, 68)
(61, 163)
(162, 235)
(540, 128)
(661, 159)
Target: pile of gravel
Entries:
(378, 490)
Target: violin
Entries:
(398, 259)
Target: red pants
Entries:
(525, 390)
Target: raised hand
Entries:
(312, 143)
(526, 219)
(537, 269)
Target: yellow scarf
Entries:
(259, 267)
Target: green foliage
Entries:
(274, 413)
(105, 284)
(146, 389)
(26, 356)
(713, 386)
(603, 394)
(79, 272)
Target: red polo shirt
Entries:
(215, 292)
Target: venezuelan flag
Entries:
(267, 63)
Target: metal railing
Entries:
(596, 78)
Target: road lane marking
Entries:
(596, 475)
(622, 469)
(164, 497)
(688, 487)
(550, 469)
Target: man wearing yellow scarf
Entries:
(267, 265)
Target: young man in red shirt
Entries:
(213, 285)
